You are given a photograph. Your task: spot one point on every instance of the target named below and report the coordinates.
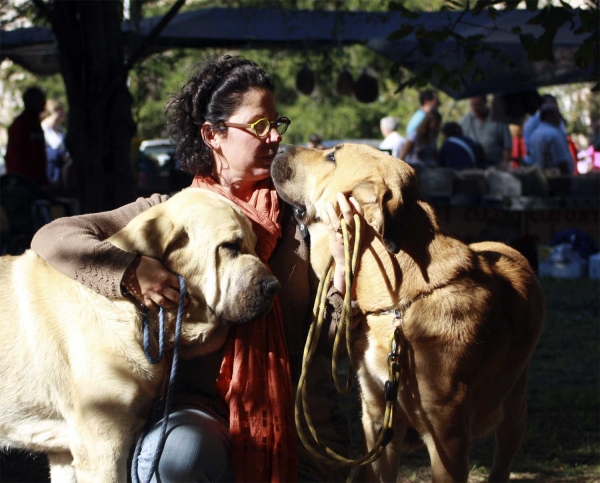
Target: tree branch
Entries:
(152, 35)
(44, 9)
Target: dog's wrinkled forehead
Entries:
(354, 163)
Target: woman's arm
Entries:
(77, 246)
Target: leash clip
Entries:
(398, 319)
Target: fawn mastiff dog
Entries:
(74, 379)
(472, 314)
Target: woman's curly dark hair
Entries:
(212, 94)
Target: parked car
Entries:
(159, 169)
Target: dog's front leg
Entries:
(103, 460)
(101, 444)
(61, 468)
(385, 468)
(448, 444)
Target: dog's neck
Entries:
(384, 280)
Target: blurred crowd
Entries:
(36, 141)
(478, 140)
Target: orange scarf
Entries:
(254, 379)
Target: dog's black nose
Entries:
(271, 287)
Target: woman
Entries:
(421, 145)
(233, 409)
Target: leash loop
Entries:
(302, 415)
(161, 336)
(158, 401)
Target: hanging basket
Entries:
(366, 88)
(305, 80)
(344, 85)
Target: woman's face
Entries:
(243, 155)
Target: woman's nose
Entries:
(274, 136)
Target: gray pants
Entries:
(197, 449)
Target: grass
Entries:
(562, 443)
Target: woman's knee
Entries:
(197, 448)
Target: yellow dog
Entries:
(471, 314)
(74, 380)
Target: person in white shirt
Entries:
(59, 160)
(393, 141)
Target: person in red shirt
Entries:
(518, 146)
(26, 149)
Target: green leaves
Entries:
(405, 12)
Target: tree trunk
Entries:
(100, 125)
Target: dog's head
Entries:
(384, 186)
(210, 242)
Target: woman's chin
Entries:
(262, 172)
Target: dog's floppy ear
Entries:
(148, 234)
(382, 211)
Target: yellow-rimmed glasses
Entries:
(262, 127)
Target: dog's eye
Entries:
(233, 247)
(330, 157)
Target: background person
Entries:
(393, 141)
(493, 137)
(420, 148)
(26, 148)
(429, 101)
(534, 121)
(519, 151)
(59, 161)
(232, 413)
(315, 141)
(548, 145)
(457, 151)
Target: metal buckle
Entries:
(398, 319)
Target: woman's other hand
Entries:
(332, 220)
(149, 282)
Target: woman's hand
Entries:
(332, 221)
(149, 282)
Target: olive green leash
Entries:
(317, 447)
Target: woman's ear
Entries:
(210, 136)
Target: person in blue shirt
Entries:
(532, 124)
(457, 151)
(429, 101)
(548, 144)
